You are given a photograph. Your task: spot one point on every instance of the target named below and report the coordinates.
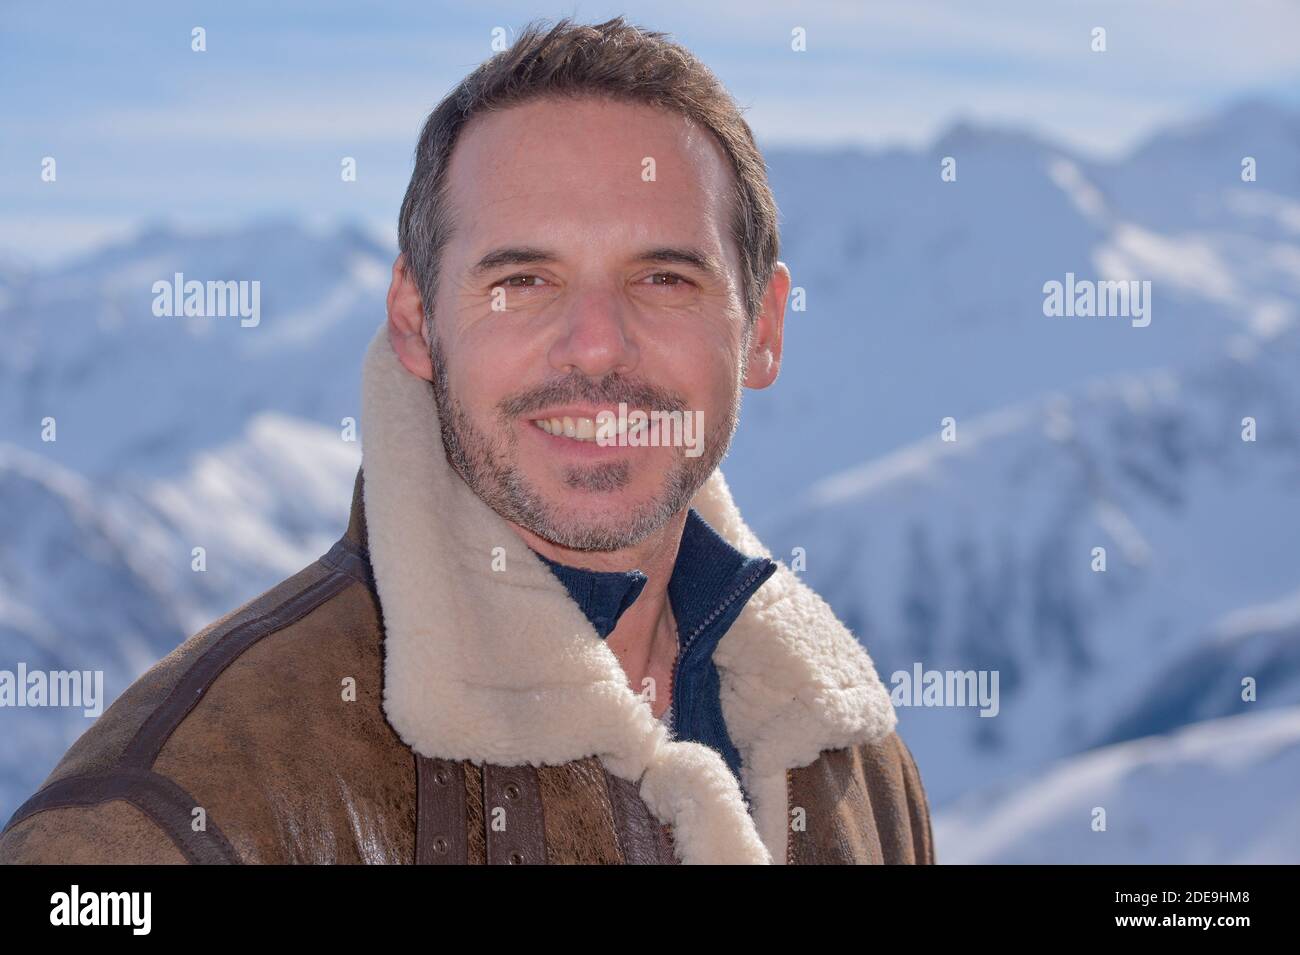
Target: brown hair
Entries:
(613, 59)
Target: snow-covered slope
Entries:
(979, 554)
(1218, 792)
(100, 576)
(260, 507)
(134, 393)
(925, 297)
(1249, 660)
(1071, 434)
(1206, 191)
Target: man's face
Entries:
(590, 265)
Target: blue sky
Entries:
(145, 130)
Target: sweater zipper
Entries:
(690, 640)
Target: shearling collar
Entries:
(501, 666)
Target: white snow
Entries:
(1221, 792)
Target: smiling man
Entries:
(547, 634)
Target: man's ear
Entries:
(406, 329)
(763, 360)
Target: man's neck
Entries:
(645, 638)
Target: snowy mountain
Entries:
(135, 393)
(1209, 153)
(1218, 792)
(72, 597)
(1260, 643)
(101, 576)
(925, 297)
(979, 554)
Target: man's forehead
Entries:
(591, 159)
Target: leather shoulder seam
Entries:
(166, 804)
(346, 558)
(194, 683)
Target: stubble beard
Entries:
(489, 466)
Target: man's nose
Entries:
(596, 338)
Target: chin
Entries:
(589, 520)
(605, 507)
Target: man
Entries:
(547, 635)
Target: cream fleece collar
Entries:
(503, 667)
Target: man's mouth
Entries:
(584, 429)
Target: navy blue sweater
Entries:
(710, 584)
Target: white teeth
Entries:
(584, 429)
(579, 429)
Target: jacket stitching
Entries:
(194, 683)
(162, 800)
(351, 560)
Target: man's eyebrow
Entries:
(704, 261)
(666, 255)
(511, 255)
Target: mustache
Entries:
(577, 387)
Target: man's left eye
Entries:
(666, 279)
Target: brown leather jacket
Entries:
(279, 734)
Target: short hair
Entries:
(615, 60)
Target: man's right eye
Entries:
(521, 281)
